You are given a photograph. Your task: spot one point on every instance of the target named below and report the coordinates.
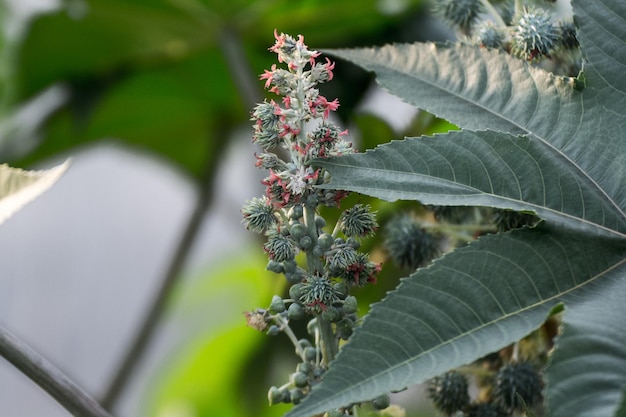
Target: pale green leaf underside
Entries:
(587, 374)
(19, 187)
(475, 300)
(481, 168)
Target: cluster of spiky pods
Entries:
(320, 265)
(525, 29)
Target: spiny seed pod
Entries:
(358, 221)
(449, 392)
(279, 248)
(534, 35)
(318, 294)
(485, 410)
(408, 244)
(489, 36)
(569, 40)
(340, 259)
(460, 13)
(258, 214)
(506, 220)
(454, 214)
(518, 385)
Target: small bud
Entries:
(317, 251)
(320, 222)
(325, 241)
(296, 395)
(310, 354)
(274, 266)
(304, 367)
(277, 305)
(312, 326)
(274, 395)
(296, 212)
(306, 243)
(332, 314)
(299, 379)
(350, 305)
(297, 231)
(295, 292)
(273, 330)
(382, 402)
(295, 312)
(289, 266)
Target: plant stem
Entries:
(48, 377)
(493, 13)
(284, 325)
(327, 336)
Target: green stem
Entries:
(494, 13)
(330, 348)
(284, 325)
(519, 7)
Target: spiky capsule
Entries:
(518, 386)
(409, 245)
(449, 392)
(534, 35)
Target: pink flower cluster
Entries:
(284, 124)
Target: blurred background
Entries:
(151, 101)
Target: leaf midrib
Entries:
(512, 122)
(555, 297)
(532, 206)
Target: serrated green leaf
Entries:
(590, 328)
(481, 168)
(571, 157)
(19, 187)
(472, 301)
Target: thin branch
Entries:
(232, 50)
(146, 331)
(48, 377)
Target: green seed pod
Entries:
(459, 13)
(310, 354)
(507, 220)
(274, 266)
(449, 392)
(325, 241)
(296, 395)
(299, 379)
(409, 244)
(295, 311)
(518, 385)
(295, 278)
(297, 231)
(258, 214)
(306, 243)
(350, 305)
(295, 292)
(345, 328)
(382, 402)
(277, 305)
(358, 221)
